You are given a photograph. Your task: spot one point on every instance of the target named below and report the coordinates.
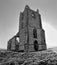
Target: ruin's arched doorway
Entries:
(36, 45)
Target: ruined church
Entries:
(31, 35)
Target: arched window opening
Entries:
(17, 38)
(36, 45)
(17, 44)
(34, 33)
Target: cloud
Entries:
(51, 35)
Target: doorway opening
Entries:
(36, 45)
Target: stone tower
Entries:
(31, 34)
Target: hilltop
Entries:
(18, 58)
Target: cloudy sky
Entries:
(9, 19)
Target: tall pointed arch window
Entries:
(34, 33)
(33, 15)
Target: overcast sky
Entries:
(9, 19)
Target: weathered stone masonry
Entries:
(31, 35)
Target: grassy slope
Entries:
(31, 58)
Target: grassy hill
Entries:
(30, 58)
